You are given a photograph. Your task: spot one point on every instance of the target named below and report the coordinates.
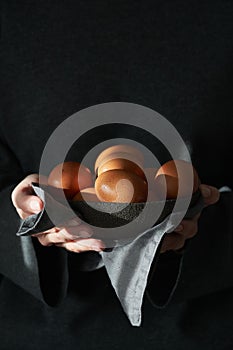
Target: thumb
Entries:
(25, 200)
(28, 204)
(210, 194)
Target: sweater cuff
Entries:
(164, 278)
(39, 270)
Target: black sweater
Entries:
(56, 59)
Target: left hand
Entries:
(189, 228)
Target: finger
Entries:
(172, 241)
(24, 199)
(210, 194)
(65, 235)
(83, 245)
(188, 228)
(22, 186)
(48, 239)
(28, 205)
(40, 234)
(74, 232)
(72, 222)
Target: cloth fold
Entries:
(127, 265)
(128, 268)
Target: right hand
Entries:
(74, 237)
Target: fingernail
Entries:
(84, 234)
(35, 206)
(205, 192)
(179, 228)
(73, 223)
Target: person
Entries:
(60, 58)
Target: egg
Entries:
(166, 186)
(71, 177)
(153, 193)
(150, 174)
(120, 186)
(119, 155)
(128, 151)
(87, 195)
(153, 196)
(121, 164)
(167, 175)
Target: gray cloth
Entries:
(128, 267)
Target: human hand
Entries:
(74, 236)
(189, 228)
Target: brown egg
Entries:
(128, 151)
(168, 175)
(120, 186)
(150, 174)
(87, 195)
(120, 155)
(166, 186)
(121, 164)
(71, 177)
(153, 196)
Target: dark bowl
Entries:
(113, 215)
(113, 222)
